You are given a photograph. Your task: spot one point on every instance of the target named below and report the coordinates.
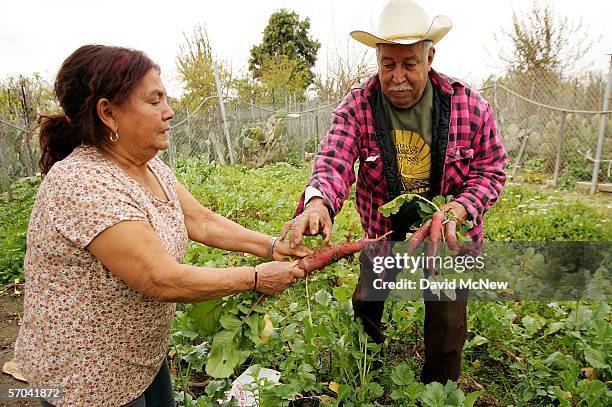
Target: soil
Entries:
(10, 313)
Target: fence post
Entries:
(5, 176)
(517, 164)
(28, 135)
(602, 130)
(495, 107)
(253, 113)
(188, 134)
(222, 107)
(559, 149)
(317, 132)
(302, 152)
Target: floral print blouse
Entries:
(83, 329)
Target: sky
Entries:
(37, 35)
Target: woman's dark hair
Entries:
(92, 72)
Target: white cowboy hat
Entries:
(404, 22)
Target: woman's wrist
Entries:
(255, 277)
(246, 274)
(271, 244)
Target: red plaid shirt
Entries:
(474, 165)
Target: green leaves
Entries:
(393, 207)
(224, 354)
(14, 217)
(431, 395)
(533, 323)
(434, 395)
(225, 320)
(441, 200)
(525, 214)
(402, 375)
(196, 356)
(323, 297)
(375, 390)
(286, 41)
(595, 358)
(554, 341)
(426, 209)
(477, 340)
(206, 315)
(471, 398)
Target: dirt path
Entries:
(10, 312)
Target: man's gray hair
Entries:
(427, 44)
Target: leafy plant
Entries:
(14, 219)
(426, 210)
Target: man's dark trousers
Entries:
(445, 325)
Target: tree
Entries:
(195, 67)
(344, 71)
(542, 42)
(280, 78)
(286, 35)
(22, 100)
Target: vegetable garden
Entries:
(520, 353)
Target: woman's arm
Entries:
(206, 227)
(132, 251)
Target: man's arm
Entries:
(487, 173)
(332, 176)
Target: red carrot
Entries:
(417, 237)
(451, 236)
(319, 260)
(435, 235)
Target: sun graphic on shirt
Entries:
(413, 160)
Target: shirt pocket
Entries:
(371, 169)
(458, 161)
(369, 156)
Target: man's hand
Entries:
(457, 210)
(313, 221)
(459, 215)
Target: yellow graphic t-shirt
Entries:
(413, 161)
(411, 133)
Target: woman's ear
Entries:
(105, 113)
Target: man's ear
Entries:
(430, 57)
(105, 113)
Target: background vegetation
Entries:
(523, 353)
(520, 353)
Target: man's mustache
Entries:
(400, 88)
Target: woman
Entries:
(107, 233)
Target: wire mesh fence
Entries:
(258, 134)
(550, 128)
(18, 153)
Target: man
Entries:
(413, 130)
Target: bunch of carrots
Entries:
(433, 228)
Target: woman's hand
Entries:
(276, 276)
(282, 249)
